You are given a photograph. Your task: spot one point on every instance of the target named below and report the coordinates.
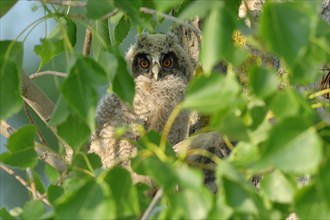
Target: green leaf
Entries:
(244, 154)
(123, 83)
(83, 162)
(60, 113)
(53, 193)
(310, 204)
(220, 209)
(239, 194)
(97, 9)
(52, 174)
(109, 63)
(278, 187)
(306, 69)
(191, 203)
(285, 28)
(230, 124)
(4, 214)
(124, 192)
(262, 82)
(166, 6)
(323, 181)
(151, 167)
(79, 89)
(101, 39)
(293, 146)
(214, 93)
(6, 5)
(285, 104)
(11, 57)
(131, 9)
(90, 201)
(33, 210)
(217, 42)
(74, 131)
(122, 29)
(196, 8)
(56, 43)
(21, 148)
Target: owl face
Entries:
(158, 57)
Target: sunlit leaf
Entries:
(293, 146)
(278, 187)
(263, 82)
(210, 94)
(11, 57)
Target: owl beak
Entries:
(155, 71)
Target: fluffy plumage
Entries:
(161, 69)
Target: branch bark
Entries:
(43, 107)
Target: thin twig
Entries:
(24, 183)
(43, 106)
(32, 183)
(152, 205)
(69, 3)
(48, 72)
(171, 18)
(228, 143)
(87, 41)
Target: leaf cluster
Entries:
(280, 133)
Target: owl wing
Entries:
(112, 147)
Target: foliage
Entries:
(279, 132)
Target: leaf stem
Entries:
(168, 125)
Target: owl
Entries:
(161, 69)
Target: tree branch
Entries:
(43, 107)
(87, 41)
(48, 72)
(24, 183)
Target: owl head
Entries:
(158, 56)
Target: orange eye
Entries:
(167, 62)
(144, 64)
